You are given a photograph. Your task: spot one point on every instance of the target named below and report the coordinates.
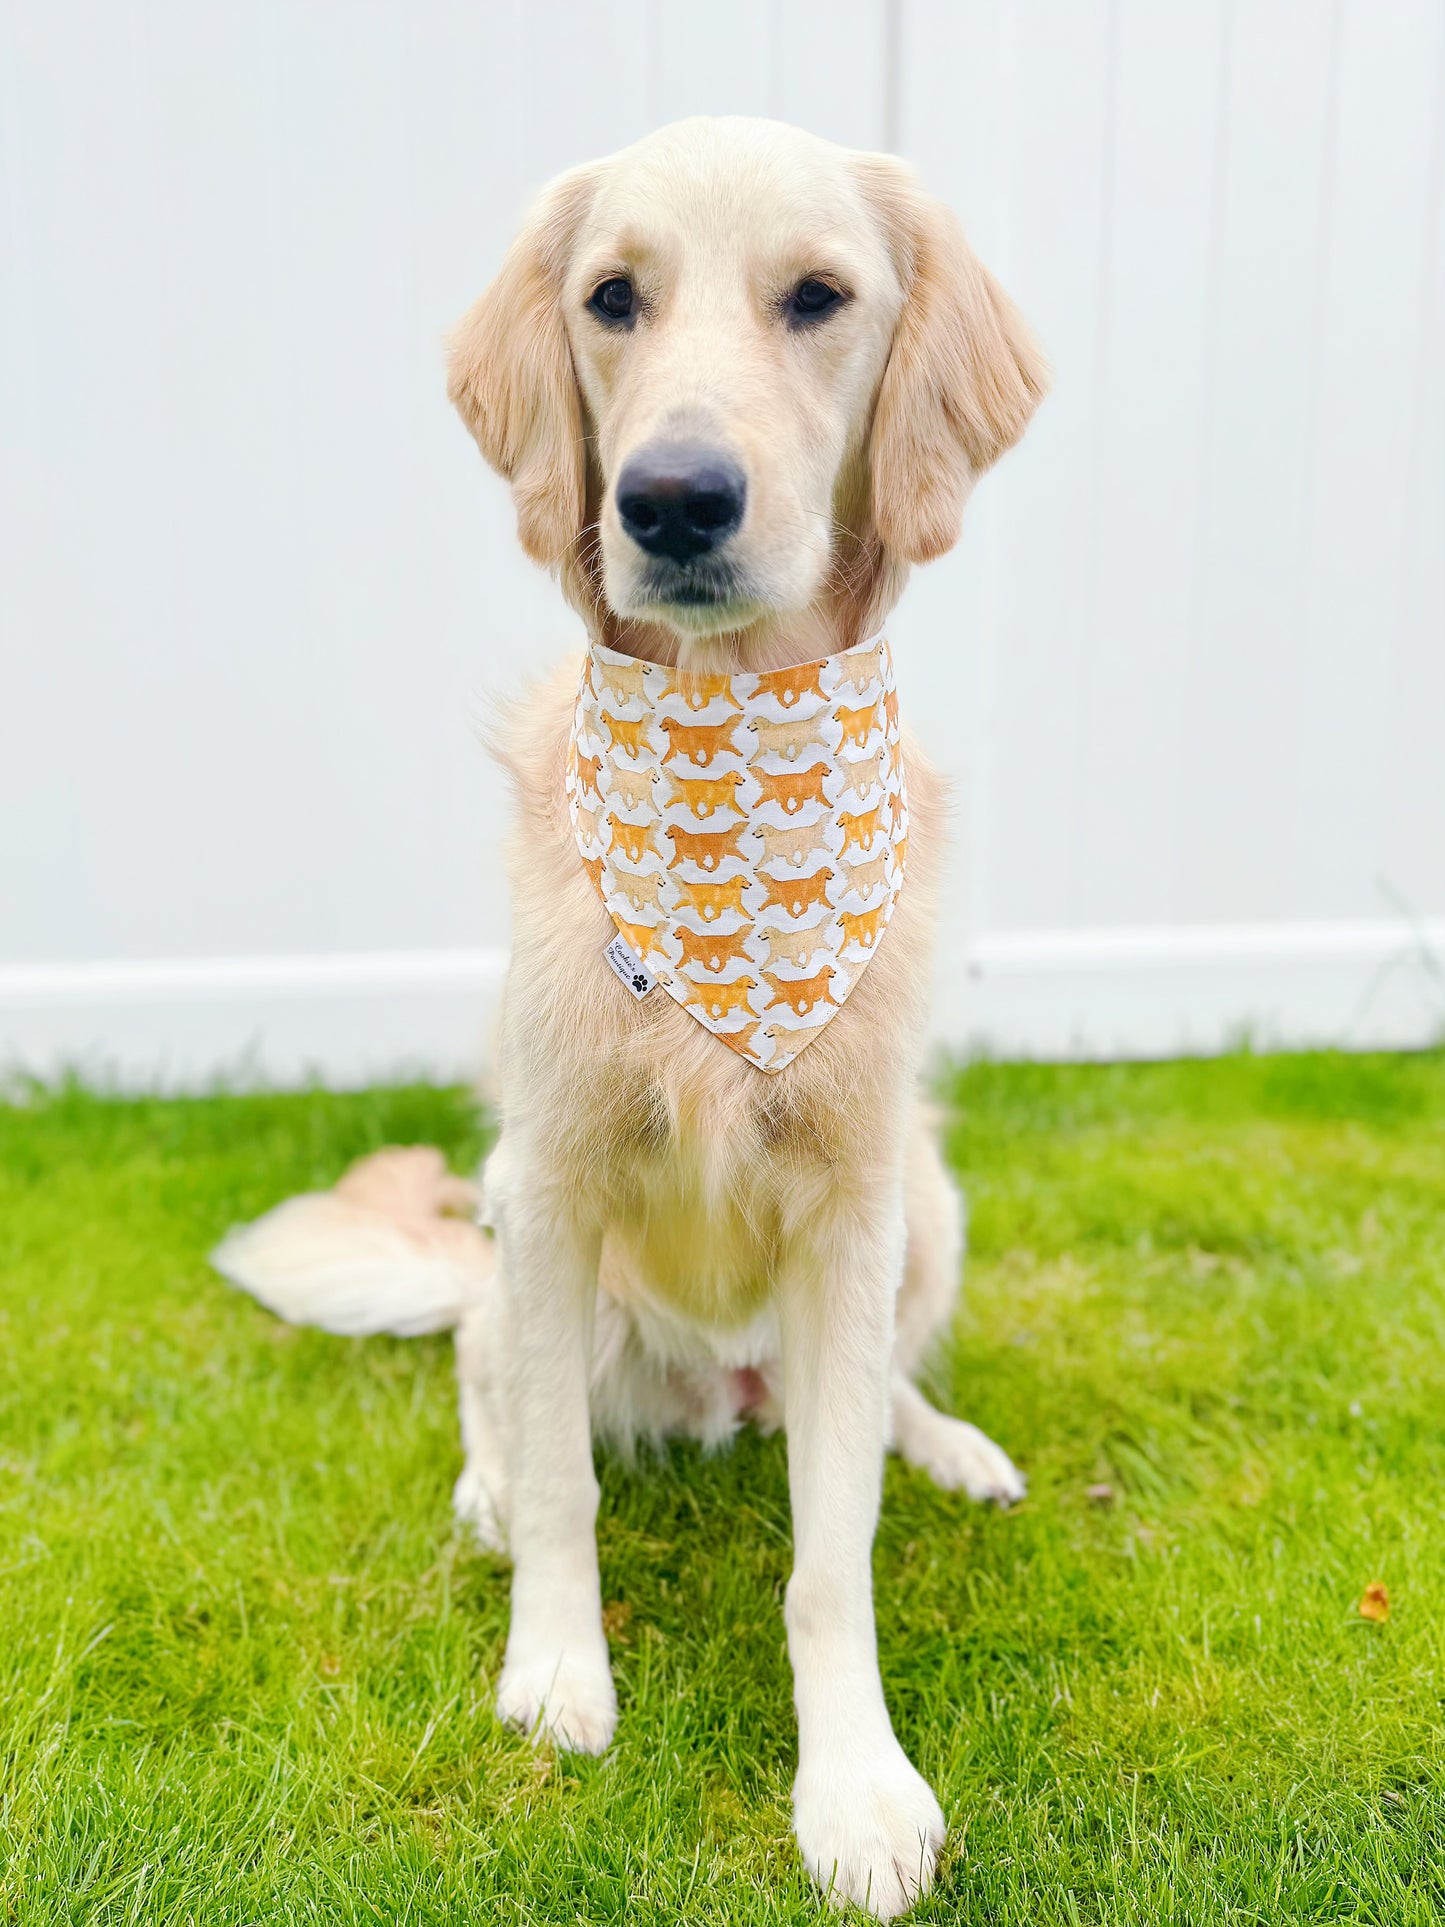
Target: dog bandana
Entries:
(747, 834)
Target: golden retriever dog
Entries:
(739, 380)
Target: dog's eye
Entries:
(613, 299)
(811, 300)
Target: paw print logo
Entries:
(639, 983)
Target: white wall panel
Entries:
(1052, 126)
(1356, 669)
(1146, 465)
(1187, 667)
(1414, 848)
(1266, 273)
(1199, 612)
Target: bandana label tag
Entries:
(626, 968)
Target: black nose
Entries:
(680, 501)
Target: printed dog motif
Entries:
(626, 735)
(632, 839)
(711, 899)
(802, 994)
(642, 892)
(792, 789)
(625, 681)
(743, 1040)
(861, 927)
(633, 786)
(794, 895)
(589, 823)
(712, 948)
(596, 868)
(704, 794)
(867, 773)
(861, 667)
(794, 842)
(718, 999)
(698, 691)
(857, 724)
(588, 771)
(709, 849)
(860, 829)
(699, 742)
(791, 685)
(787, 739)
(795, 947)
(870, 875)
(785, 1040)
(642, 939)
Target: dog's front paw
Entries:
(869, 1830)
(956, 1455)
(561, 1696)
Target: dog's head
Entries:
(734, 367)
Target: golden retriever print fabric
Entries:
(746, 833)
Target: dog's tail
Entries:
(383, 1252)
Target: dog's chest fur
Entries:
(701, 1168)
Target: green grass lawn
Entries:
(246, 1664)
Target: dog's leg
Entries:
(954, 1454)
(868, 1825)
(482, 1498)
(555, 1678)
(934, 1232)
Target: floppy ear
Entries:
(510, 376)
(964, 374)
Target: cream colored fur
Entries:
(681, 1242)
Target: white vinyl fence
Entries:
(1187, 666)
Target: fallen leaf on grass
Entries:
(1101, 1494)
(615, 1619)
(1376, 1601)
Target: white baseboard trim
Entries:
(1197, 990)
(188, 1023)
(350, 1019)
